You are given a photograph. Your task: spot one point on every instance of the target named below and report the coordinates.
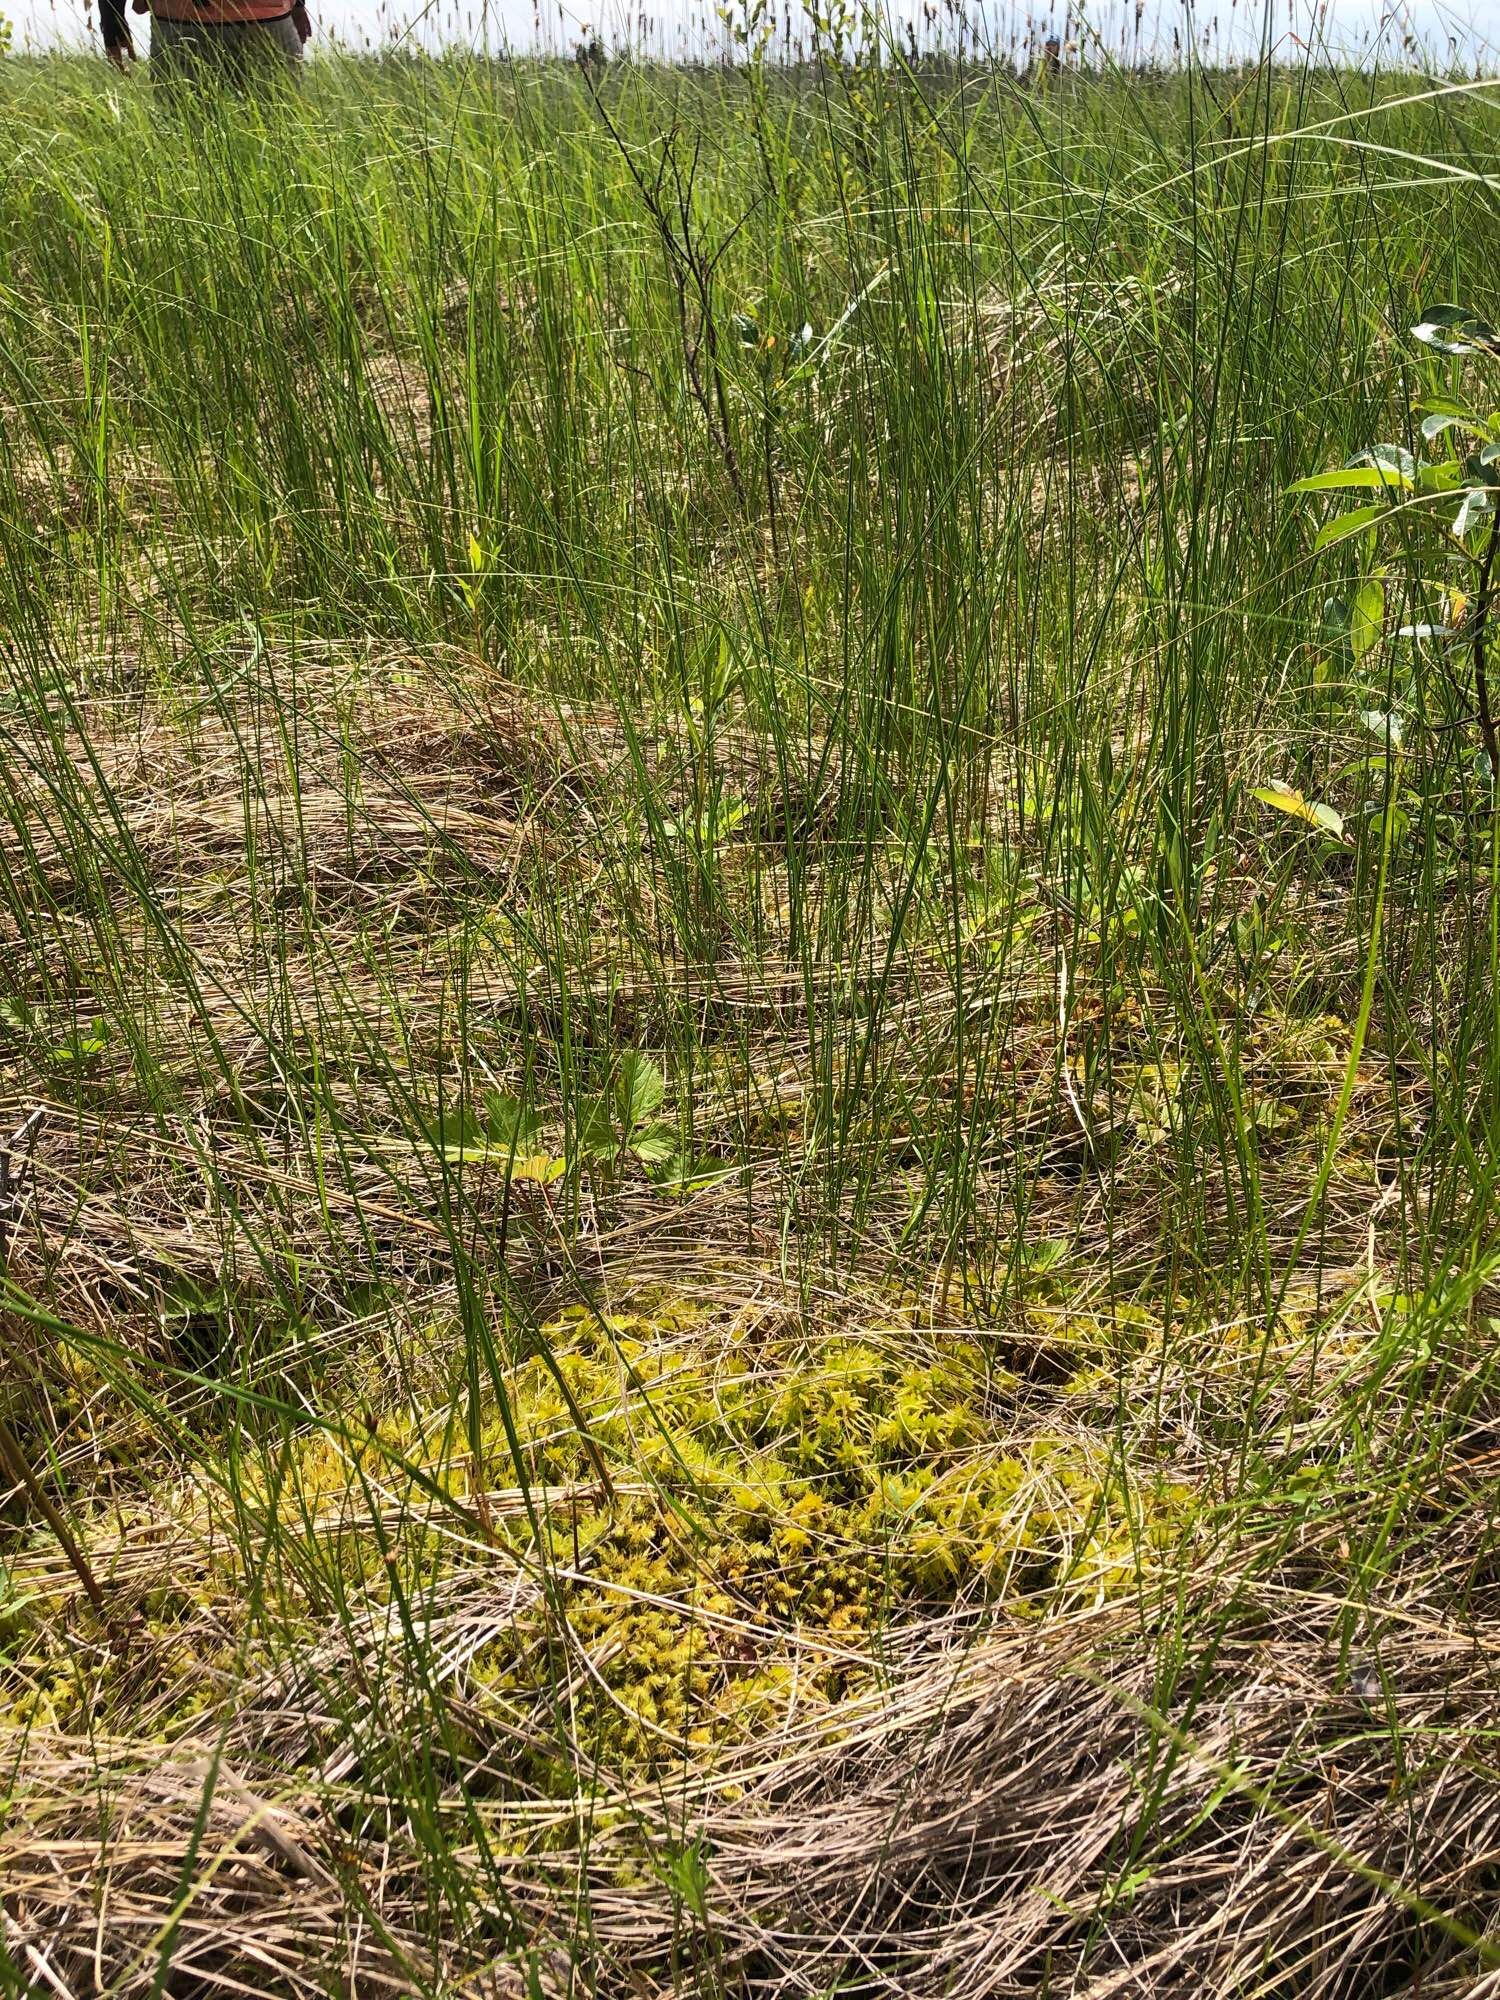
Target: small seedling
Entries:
(503, 1130)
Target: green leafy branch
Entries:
(1447, 508)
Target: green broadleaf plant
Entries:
(1445, 511)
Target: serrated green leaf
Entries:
(654, 1143)
(455, 1132)
(684, 1173)
(508, 1122)
(595, 1133)
(639, 1090)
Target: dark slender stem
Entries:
(686, 262)
(1487, 728)
(14, 1461)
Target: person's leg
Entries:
(265, 48)
(228, 52)
(177, 50)
(286, 42)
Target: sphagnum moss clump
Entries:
(772, 1491)
(778, 1501)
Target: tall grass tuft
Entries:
(751, 1027)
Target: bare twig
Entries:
(691, 267)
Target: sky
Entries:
(685, 27)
